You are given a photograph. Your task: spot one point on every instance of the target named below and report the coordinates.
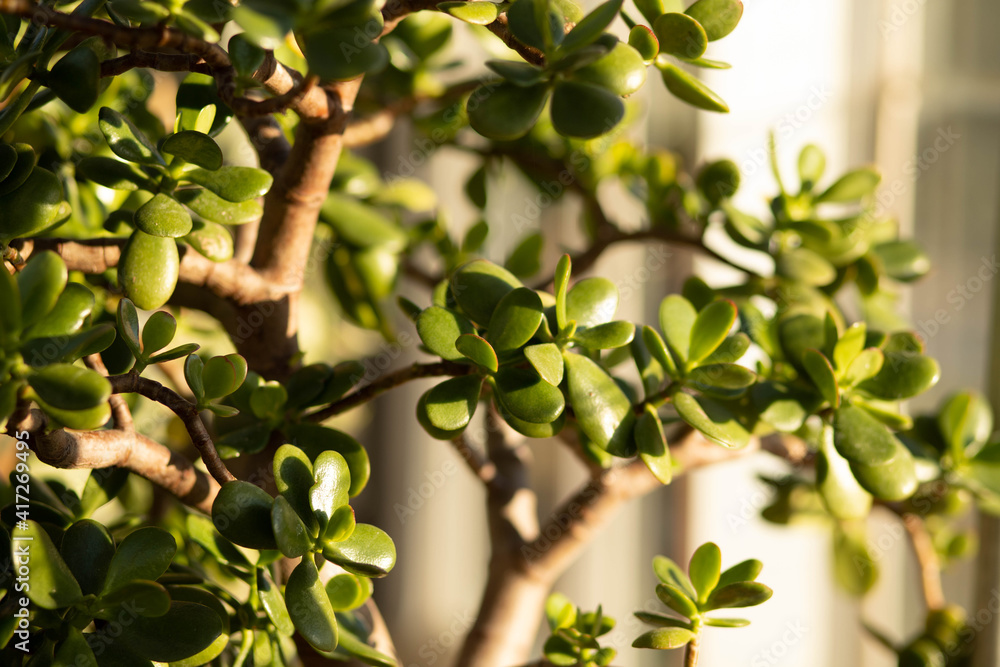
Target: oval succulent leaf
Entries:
(677, 318)
(680, 35)
(860, 438)
(450, 405)
(479, 286)
(290, 531)
(186, 629)
(194, 147)
(68, 387)
(605, 336)
(592, 301)
(523, 393)
(851, 187)
(737, 595)
(148, 269)
(40, 284)
(893, 480)
(439, 328)
(162, 216)
(87, 549)
(232, 183)
(669, 572)
(332, 487)
(747, 570)
(719, 17)
(705, 568)
(310, 608)
(903, 375)
(689, 89)
(843, 496)
(211, 240)
(242, 514)
(547, 360)
(601, 407)
(591, 26)
(145, 554)
(32, 207)
(478, 350)
(126, 140)
(368, 552)
(665, 638)
(113, 174)
(821, 372)
(712, 419)
(515, 320)
(585, 111)
(507, 111)
(476, 13)
(677, 600)
(216, 209)
(51, 584)
(710, 328)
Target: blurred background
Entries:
(910, 85)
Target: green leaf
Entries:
(727, 622)
(895, 479)
(844, 498)
(902, 260)
(719, 17)
(234, 184)
(821, 372)
(730, 350)
(216, 209)
(860, 438)
(148, 269)
(409, 193)
(718, 180)
(439, 328)
(476, 13)
(559, 612)
(680, 35)
(658, 349)
(186, 629)
(332, 488)
(148, 598)
(605, 336)
(158, 332)
(273, 602)
(75, 79)
(126, 140)
(812, 164)
(689, 89)
(222, 375)
(854, 567)
(368, 552)
(583, 110)
(75, 651)
(723, 380)
(710, 328)
(145, 554)
(677, 318)
(67, 387)
(242, 514)
(851, 187)
(83, 420)
(506, 111)
(668, 572)
(162, 216)
(661, 621)
(799, 333)
(602, 409)
(24, 165)
(592, 301)
(547, 360)
(50, 583)
(293, 476)
(478, 350)
(744, 571)
(591, 26)
(966, 422)
(705, 568)
(326, 56)
(849, 345)
(677, 599)
(202, 532)
(290, 532)
(712, 419)
(449, 406)
(479, 286)
(523, 393)
(30, 208)
(515, 320)
(903, 375)
(128, 325)
(211, 240)
(87, 549)
(806, 266)
(348, 591)
(665, 638)
(739, 594)
(113, 174)
(40, 284)
(865, 366)
(193, 367)
(194, 147)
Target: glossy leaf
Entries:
(584, 110)
(515, 319)
(737, 595)
(860, 438)
(712, 419)
(591, 26)
(966, 422)
(719, 17)
(477, 13)
(30, 208)
(478, 350)
(747, 570)
(506, 111)
(347, 591)
(113, 174)
(666, 638)
(723, 380)
(812, 165)
(216, 209)
(591, 302)
(184, 630)
(705, 568)
(194, 147)
(602, 409)
(680, 35)
(677, 599)
(689, 89)
(162, 216)
(605, 336)
(40, 284)
(902, 260)
(326, 57)
(242, 513)
(677, 318)
(895, 479)
(658, 349)
(622, 70)
(479, 286)
(211, 240)
(332, 488)
(126, 140)
(51, 584)
(290, 532)
(547, 360)
(821, 372)
(68, 387)
(843, 496)
(668, 572)
(523, 393)
(368, 552)
(439, 328)
(449, 406)
(851, 187)
(234, 184)
(87, 549)
(144, 554)
(903, 375)
(148, 269)
(644, 41)
(710, 328)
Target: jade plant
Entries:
(164, 239)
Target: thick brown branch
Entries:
(385, 383)
(66, 448)
(927, 560)
(120, 411)
(188, 413)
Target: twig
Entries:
(927, 560)
(384, 384)
(188, 413)
(119, 408)
(692, 651)
(66, 448)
